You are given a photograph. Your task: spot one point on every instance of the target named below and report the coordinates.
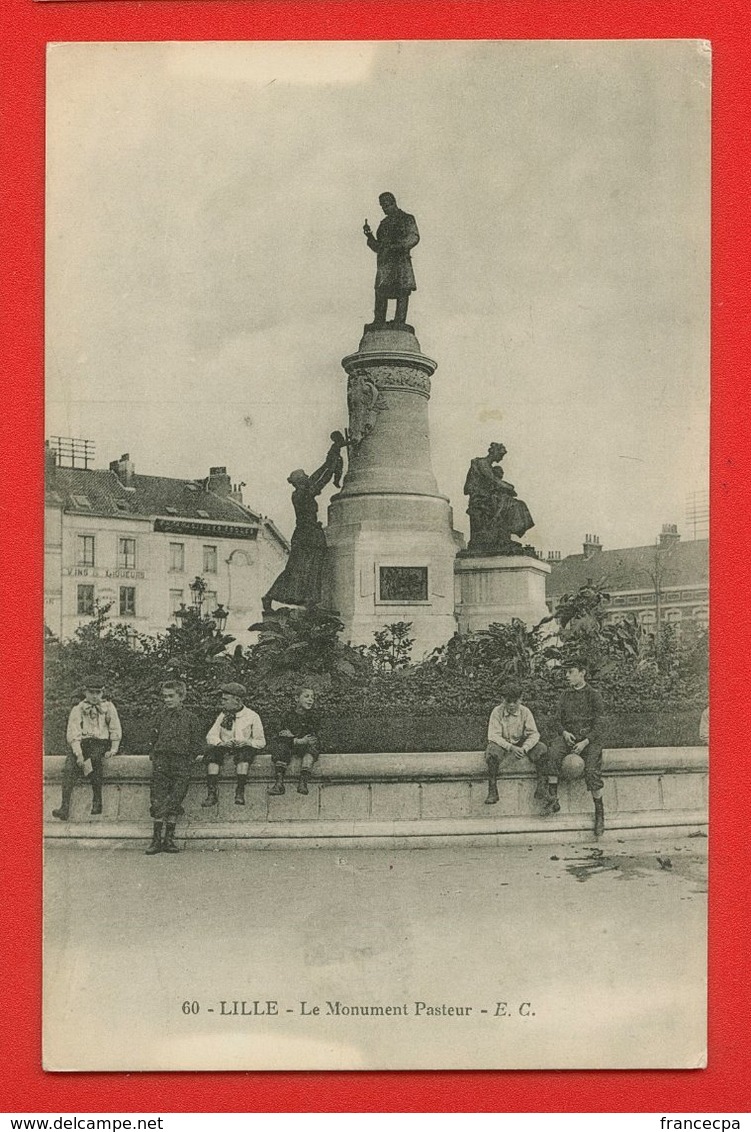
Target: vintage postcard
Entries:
(376, 555)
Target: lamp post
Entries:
(219, 616)
(215, 621)
(197, 589)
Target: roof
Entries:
(683, 564)
(90, 491)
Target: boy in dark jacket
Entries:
(298, 735)
(177, 742)
(579, 731)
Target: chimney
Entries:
(591, 546)
(237, 492)
(554, 556)
(219, 482)
(123, 469)
(669, 536)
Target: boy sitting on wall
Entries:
(298, 735)
(579, 726)
(238, 729)
(512, 730)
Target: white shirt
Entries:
(246, 731)
(513, 729)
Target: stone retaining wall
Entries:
(418, 797)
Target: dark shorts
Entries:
(284, 750)
(592, 756)
(536, 755)
(94, 749)
(217, 755)
(170, 778)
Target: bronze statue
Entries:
(300, 581)
(397, 234)
(495, 511)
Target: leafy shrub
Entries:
(392, 647)
(377, 701)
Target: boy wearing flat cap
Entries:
(237, 729)
(93, 735)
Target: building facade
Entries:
(666, 582)
(136, 542)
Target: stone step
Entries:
(479, 832)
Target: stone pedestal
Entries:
(498, 589)
(390, 535)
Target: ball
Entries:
(572, 766)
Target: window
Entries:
(176, 599)
(209, 560)
(85, 601)
(126, 553)
(403, 583)
(177, 557)
(127, 601)
(85, 550)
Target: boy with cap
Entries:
(512, 730)
(579, 726)
(238, 729)
(177, 741)
(298, 735)
(94, 734)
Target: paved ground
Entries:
(597, 954)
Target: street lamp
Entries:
(197, 589)
(220, 616)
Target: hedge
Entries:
(394, 731)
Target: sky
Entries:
(206, 268)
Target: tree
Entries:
(189, 648)
(656, 572)
(392, 647)
(585, 635)
(126, 659)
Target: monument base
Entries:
(498, 589)
(391, 559)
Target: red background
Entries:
(27, 27)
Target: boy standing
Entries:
(579, 726)
(94, 734)
(298, 735)
(512, 730)
(236, 729)
(177, 741)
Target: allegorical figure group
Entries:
(178, 742)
